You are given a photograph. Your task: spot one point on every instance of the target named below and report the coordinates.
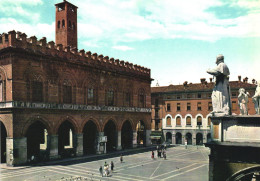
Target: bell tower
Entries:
(66, 24)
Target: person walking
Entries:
(106, 169)
(112, 166)
(164, 154)
(152, 155)
(101, 171)
(121, 158)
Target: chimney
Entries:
(210, 79)
(239, 78)
(202, 80)
(185, 83)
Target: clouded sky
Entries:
(177, 40)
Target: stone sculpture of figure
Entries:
(221, 93)
(242, 101)
(256, 98)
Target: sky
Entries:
(177, 40)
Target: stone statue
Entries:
(242, 101)
(256, 98)
(221, 94)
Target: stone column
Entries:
(78, 144)
(101, 146)
(53, 146)
(147, 137)
(119, 146)
(173, 138)
(134, 139)
(16, 151)
(194, 139)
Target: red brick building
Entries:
(181, 111)
(56, 101)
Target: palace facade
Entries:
(182, 111)
(56, 101)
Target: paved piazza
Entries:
(182, 164)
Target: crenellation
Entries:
(67, 49)
(82, 53)
(12, 38)
(94, 56)
(59, 47)
(117, 62)
(105, 59)
(121, 63)
(111, 60)
(19, 39)
(100, 57)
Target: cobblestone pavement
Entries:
(182, 164)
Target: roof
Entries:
(199, 87)
(64, 3)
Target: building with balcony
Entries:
(56, 101)
(182, 111)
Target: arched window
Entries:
(168, 121)
(188, 121)
(178, 121)
(2, 89)
(127, 98)
(67, 92)
(91, 96)
(63, 23)
(58, 24)
(70, 24)
(37, 91)
(110, 97)
(141, 98)
(199, 121)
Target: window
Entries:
(178, 121)
(199, 95)
(168, 107)
(234, 105)
(90, 99)
(141, 98)
(73, 26)
(63, 23)
(188, 121)
(2, 90)
(199, 106)
(210, 108)
(188, 96)
(70, 25)
(156, 102)
(58, 24)
(110, 98)
(178, 106)
(234, 94)
(209, 95)
(178, 97)
(188, 106)
(127, 99)
(67, 94)
(209, 121)
(168, 121)
(199, 121)
(37, 91)
(156, 114)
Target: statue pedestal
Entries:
(235, 146)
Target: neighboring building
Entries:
(58, 102)
(182, 111)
